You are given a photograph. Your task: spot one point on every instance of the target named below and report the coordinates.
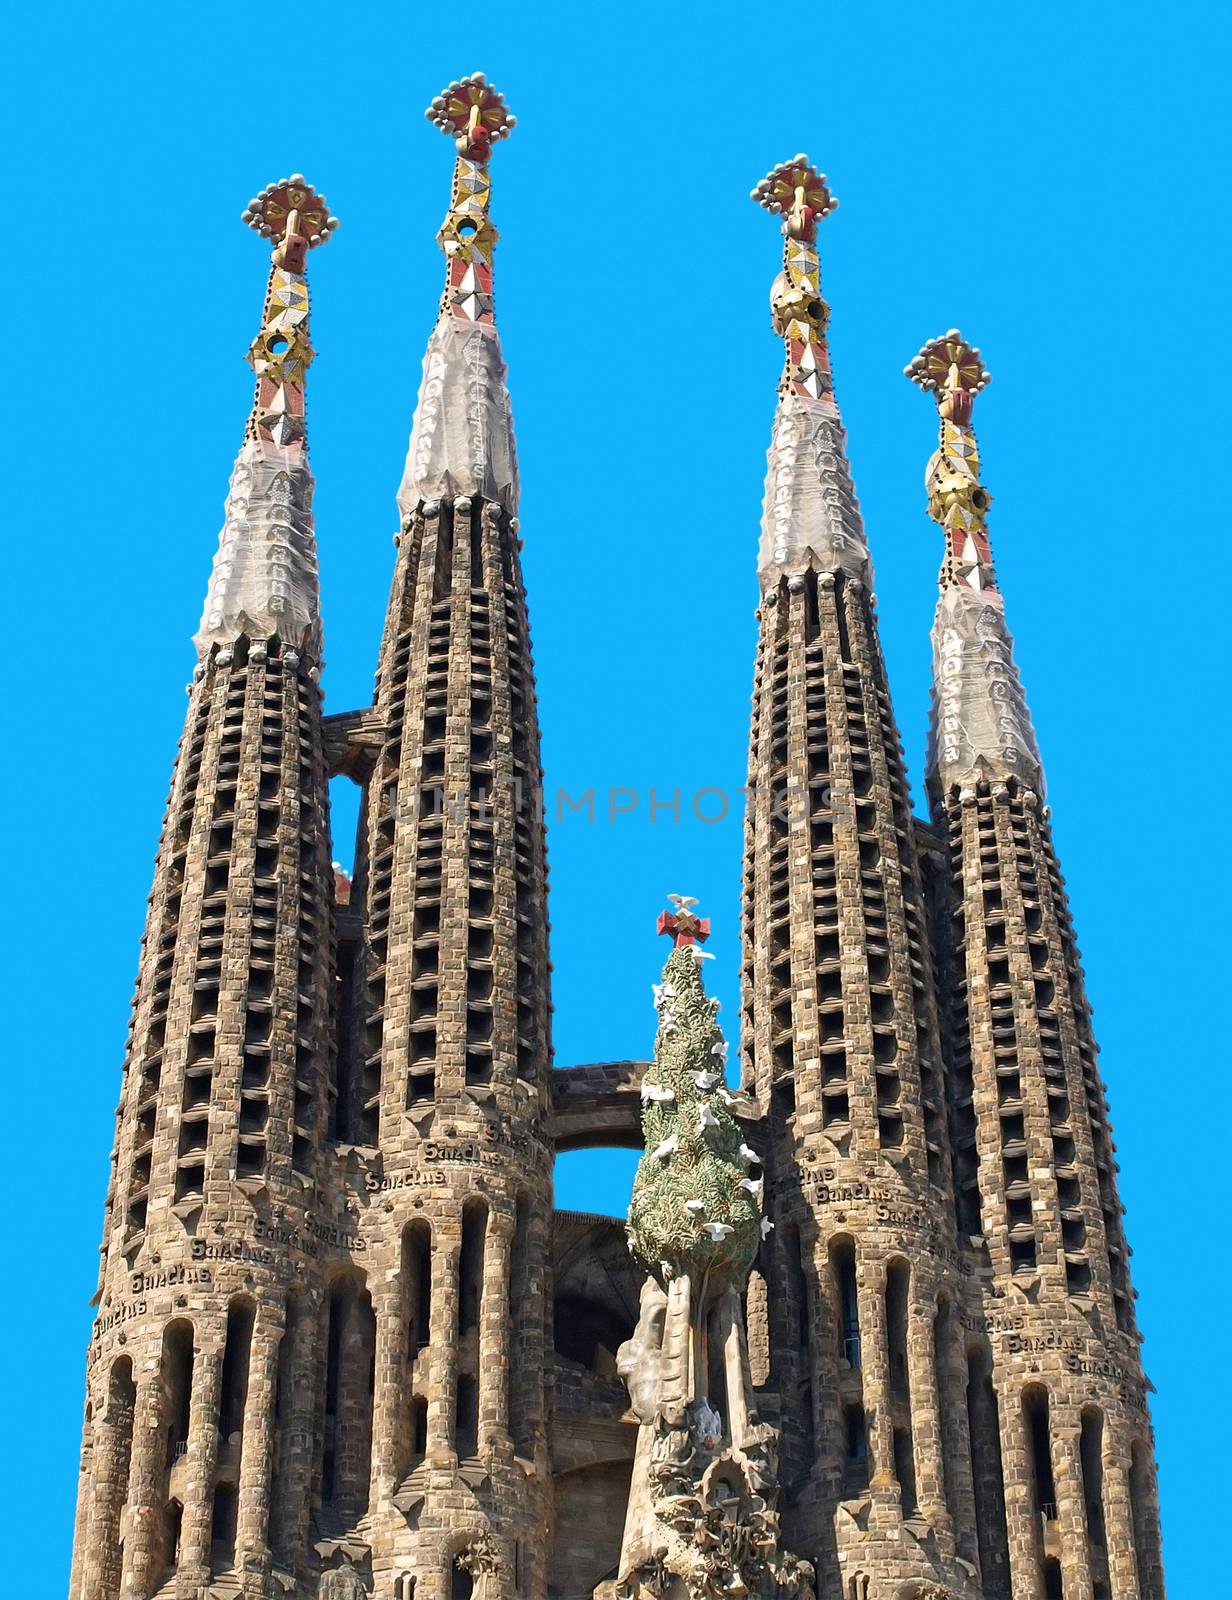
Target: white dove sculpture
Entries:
(717, 1230)
(655, 1092)
(667, 1148)
(683, 902)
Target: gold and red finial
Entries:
(294, 216)
(796, 191)
(951, 370)
(474, 114)
(684, 927)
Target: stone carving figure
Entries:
(342, 1583)
(702, 1519)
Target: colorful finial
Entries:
(810, 515)
(297, 219)
(981, 728)
(462, 439)
(684, 927)
(264, 581)
(797, 192)
(475, 116)
(951, 370)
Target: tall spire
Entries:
(265, 573)
(981, 727)
(839, 1034)
(462, 438)
(810, 516)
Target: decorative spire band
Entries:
(265, 573)
(981, 728)
(810, 516)
(462, 439)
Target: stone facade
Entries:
(345, 1346)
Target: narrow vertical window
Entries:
(984, 1422)
(470, 1265)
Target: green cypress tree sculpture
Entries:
(695, 1210)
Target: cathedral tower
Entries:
(447, 1077)
(841, 1042)
(1065, 1480)
(877, 1298)
(224, 1092)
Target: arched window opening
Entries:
(111, 1462)
(419, 1428)
(522, 1310)
(949, 1401)
(1035, 1414)
(470, 1265)
(177, 1369)
(350, 1355)
(897, 1305)
(292, 1350)
(984, 1422)
(904, 1471)
(417, 1284)
(173, 1522)
(1053, 1588)
(461, 1584)
(235, 1363)
(797, 1285)
(1145, 1521)
(843, 1270)
(1091, 1452)
(898, 1287)
(222, 1527)
(466, 1417)
(333, 1356)
(857, 1469)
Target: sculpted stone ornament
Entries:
(702, 1518)
(481, 1558)
(342, 1583)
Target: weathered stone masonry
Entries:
(344, 1344)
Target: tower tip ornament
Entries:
(981, 729)
(473, 114)
(796, 191)
(810, 515)
(264, 582)
(462, 441)
(952, 370)
(681, 923)
(290, 208)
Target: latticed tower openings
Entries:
(868, 1333)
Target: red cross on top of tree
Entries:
(681, 923)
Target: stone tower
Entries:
(870, 1330)
(212, 1204)
(1065, 1479)
(840, 1038)
(448, 1053)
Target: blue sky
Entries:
(1053, 179)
